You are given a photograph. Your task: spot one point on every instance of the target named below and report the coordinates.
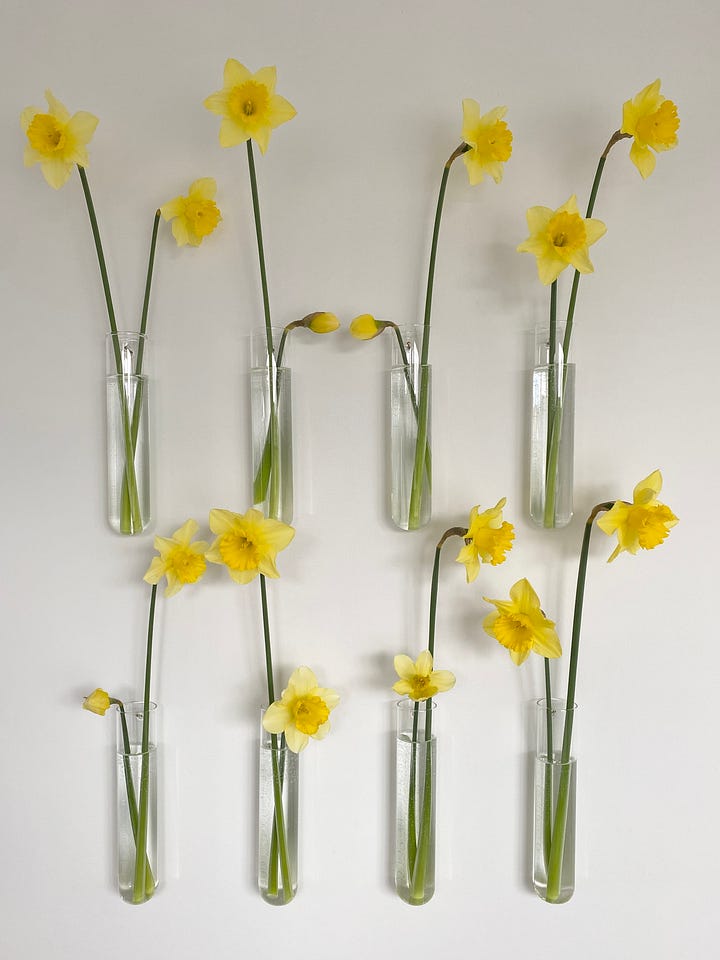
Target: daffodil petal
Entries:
(304, 681)
(296, 741)
(404, 666)
(424, 663)
(443, 680)
(276, 718)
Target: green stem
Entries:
(557, 848)
(273, 368)
(279, 819)
(422, 438)
(549, 753)
(140, 891)
(133, 522)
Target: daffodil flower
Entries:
(248, 105)
(56, 140)
(642, 524)
(303, 710)
(560, 238)
(519, 625)
(98, 702)
(195, 216)
(489, 139)
(487, 540)
(247, 543)
(418, 680)
(652, 122)
(180, 561)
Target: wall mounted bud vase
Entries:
(410, 431)
(128, 446)
(271, 416)
(416, 759)
(552, 432)
(277, 819)
(137, 862)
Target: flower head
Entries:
(418, 680)
(302, 711)
(520, 625)
(644, 523)
(195, 216)
(98, 702)
(247, 543)
(180, 560)
(56, 140)
(652, 122)
(249, 106)
(488, 539)
(489, 139)
(366, 327)
(321, 322)
(559, 238)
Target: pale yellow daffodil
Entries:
(195, 216)
(489, 139)
(418, 680)
(248, 105)
(98, 702)
(642, 524)
(560, 238)
(321, 322)
(487, 540)
(56, 140)
(180, 560)
(302, 711)
(519, 625)
(652, 122)
(247, 543)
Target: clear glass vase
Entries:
(552, 434)
(277, 819)
(137, 860)
(128, 445)
(271, 416)
(554, 793)
(415, 765)
(410, 432)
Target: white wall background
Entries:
(348, 193)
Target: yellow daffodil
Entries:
(642, 524)
(520, 625)
(418, 680)
(56, 140)
(488, 539)
(321, 322)
(489, 139)
(560, 238)
(247, 543)
(249, 106)
(302, 711)
(180, 560)
(98, 702)
(195, 216)
(652, 122)
(366, 327)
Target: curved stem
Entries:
(557, 848)
(421, 442)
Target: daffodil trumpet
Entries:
(642, 524)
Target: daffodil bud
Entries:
(366, 327)
(98, 702)
(321, 322)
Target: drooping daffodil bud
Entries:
(98, 702)
(321, 322)
(366, 327)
